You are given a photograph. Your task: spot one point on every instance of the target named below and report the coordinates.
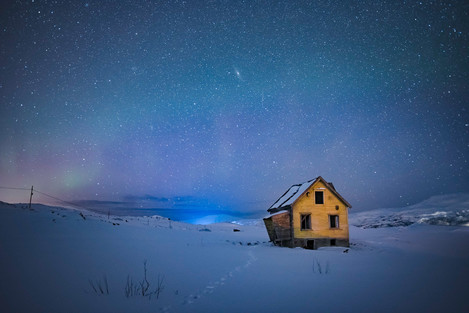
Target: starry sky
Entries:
(228, 103)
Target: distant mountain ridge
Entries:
(444, 210)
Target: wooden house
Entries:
(309, 215)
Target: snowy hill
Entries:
(61, 260)
(446, 210)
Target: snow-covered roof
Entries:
(276, 213)
(295, 191)
(292, 194)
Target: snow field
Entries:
(49, 255)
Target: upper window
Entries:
(334, 221)
(319, 197)
(305, 221)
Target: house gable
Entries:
(295, 192)
(332, 209)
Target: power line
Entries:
(14, 188)
(45, 194)
(58, 199)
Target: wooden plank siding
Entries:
(320, 226)
(278, 227)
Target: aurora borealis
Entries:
(231, 102)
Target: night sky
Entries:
(228, 103)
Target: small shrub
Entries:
(143, 287)
(100, 287)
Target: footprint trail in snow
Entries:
(211, 287)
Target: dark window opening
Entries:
(334, 221)
(310, 244)
(305, 221)
(319, 197)
(333, 243)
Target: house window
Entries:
(305, 221)
(319, 197)
(334, 221)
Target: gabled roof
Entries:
(295, 191)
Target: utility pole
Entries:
(31, 197)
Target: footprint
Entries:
(210, 288)
(166, 309)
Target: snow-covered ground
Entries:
(62, 260)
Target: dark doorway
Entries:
(310, 244)
(333, 243)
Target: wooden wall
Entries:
(278, 226)
(320, 227)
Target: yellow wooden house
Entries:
(309, 215)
